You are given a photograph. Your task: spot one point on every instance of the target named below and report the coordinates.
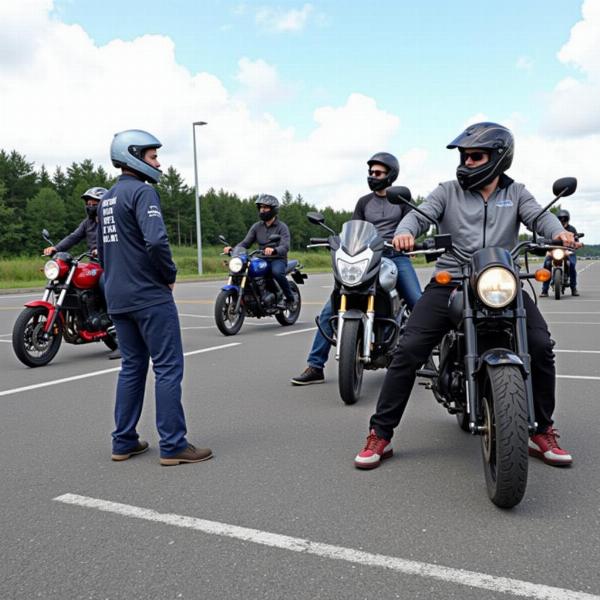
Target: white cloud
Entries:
(524, 63)
(279, 21)
(261, 85)
(68, 97)
(573, 105)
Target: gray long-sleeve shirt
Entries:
(474, 223)
(87, 230)
(381, 212)
(260, 232)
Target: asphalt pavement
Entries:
(281, 512)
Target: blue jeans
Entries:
(572, 272)
(408, 287)
(278, 267)
(150, 332)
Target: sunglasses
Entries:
(474, 156)
(377, 173)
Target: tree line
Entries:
(33, 199)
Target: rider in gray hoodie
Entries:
(484, 207)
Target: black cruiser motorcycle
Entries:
(369, 315)
(481, 372)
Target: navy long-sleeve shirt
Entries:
(133, 247)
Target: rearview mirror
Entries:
(398, 194)
(45, 233)
(222, 239)
(274, 238)
(315, 218)
(565, 186)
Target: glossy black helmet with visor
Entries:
(492, 138)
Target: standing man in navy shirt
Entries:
(140, 276)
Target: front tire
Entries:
(227, 320)
(557, 283)
(350, 369)
(289, 317)
(506, 435)
(27, 337)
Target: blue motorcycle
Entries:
(251, 291)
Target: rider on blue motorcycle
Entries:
(260, 232)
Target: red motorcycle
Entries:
(72, 308)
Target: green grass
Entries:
(27, 271)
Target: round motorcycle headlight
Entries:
(497, 287)
(236, 264)
(51, 270)
(558, 254)
(351, 273)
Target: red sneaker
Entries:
(375, 450)
(545, 446)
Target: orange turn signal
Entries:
(443, 277)
(543, 275)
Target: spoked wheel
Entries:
(228, 320)
(557, 283)
(505, 436)
(29, 343)
(350, 370)
(290, 315)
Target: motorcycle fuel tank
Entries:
(388, 274)
(86, 275)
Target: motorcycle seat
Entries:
(291, 265)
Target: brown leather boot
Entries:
(141, 447)
(190, 455)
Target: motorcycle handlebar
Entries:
(319, 240)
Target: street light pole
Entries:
(198, 229)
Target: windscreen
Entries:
(356, 236)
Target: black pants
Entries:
(427, 324)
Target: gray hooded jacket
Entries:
(474, 223)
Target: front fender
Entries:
(227, 287)
(496, 357)
(353, 315)
(50, 308)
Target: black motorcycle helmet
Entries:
(563, 216)
(267, 200)
(495, 139)
(390, 162)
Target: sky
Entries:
(298, 95)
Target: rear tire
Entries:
(289, 317)
(350, 370)
(505, 439)
(557, 283)
(27, 341)
(227, 321)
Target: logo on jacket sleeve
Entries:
(504, 202)
(153, 211)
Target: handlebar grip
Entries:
(318, 240)
(425, 245)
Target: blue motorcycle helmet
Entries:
(127, 151)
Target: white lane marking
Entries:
(196, 316)
(589, 378)
(103, 372)
(296, 331)
(579, 351)
(5, 341)
(10, 296)
(451, 575)
(572, 323)
(571, 312)
(5, 334)
(197, 327)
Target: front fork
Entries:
(367, 330)
(472, 360)
(58, 304)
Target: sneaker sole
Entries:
(554, 463)
(122, 457)
(374, 465)
(171, 462)
(295, 382)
